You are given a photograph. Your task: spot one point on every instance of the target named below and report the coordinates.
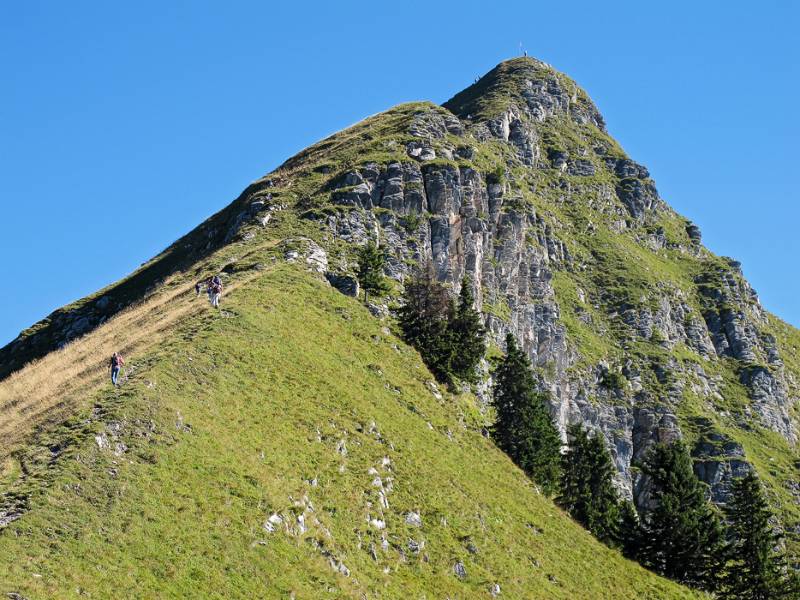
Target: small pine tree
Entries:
(467, 336)
(629, 531)
(682, 537)
(524, 429)
(756, 570)
(587, 485)
(371, 261)
(424, 318)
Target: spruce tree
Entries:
(524, 429)
(371, 260)
(467, 336)
(424, 319)
(756, 570)
(682, 537)
(587, 485)
(629, 531)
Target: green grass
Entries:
(230, 420)
(593, 346)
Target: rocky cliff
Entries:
(635, 328)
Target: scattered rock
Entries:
(460, 570)
(341, 447)
(347, 284)
(414, 519)
(420, 151)
(9, 515)
(272, 523)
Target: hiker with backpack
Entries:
(216, 292)
(116, 365)
(208, 283)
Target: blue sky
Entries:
(123, 125)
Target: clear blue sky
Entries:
(125, 124)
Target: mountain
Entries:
(293, 443)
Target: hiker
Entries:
(116, 364)
(197, 287)
(216, 292)
(209, 285)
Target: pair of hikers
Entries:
(213, 288)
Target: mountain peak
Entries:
(528, 85)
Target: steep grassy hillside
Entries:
(289, 446)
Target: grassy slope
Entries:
(228, 421)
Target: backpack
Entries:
(115, 361)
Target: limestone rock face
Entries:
(463, 225)
(501, 230)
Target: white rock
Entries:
(414, 519)
(271, 524)
(341, 448)
(460, 570)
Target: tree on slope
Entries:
(587, 485)
(424, 320)
(629, 532)
(682, 537)
(467, 336)
(756, 570)
(524, 429)
(371, 260)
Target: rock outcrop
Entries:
(500, 228)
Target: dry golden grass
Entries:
(58, 384)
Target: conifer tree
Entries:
(371, 260)
(682, 537)
(587, 485)
(629, 531)
(467, 336)
(524, 429)
(424, 320)
(756, 570)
